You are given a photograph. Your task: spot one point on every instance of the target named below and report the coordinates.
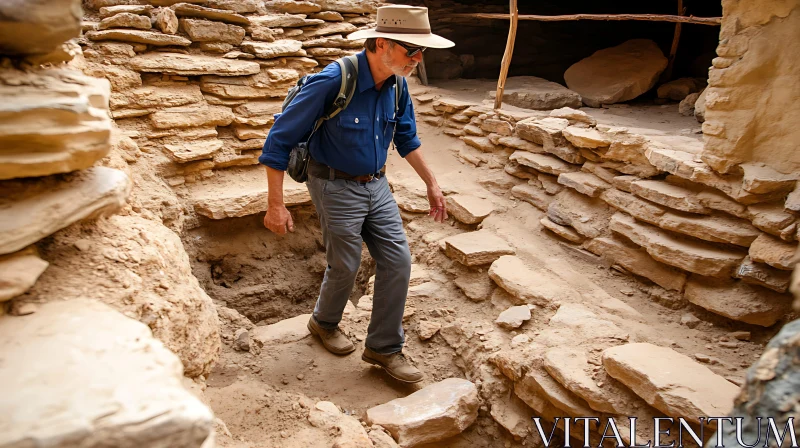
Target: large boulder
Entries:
(78, 373)
(37, 26)
(617, 74)
(530, 92)
(140, 268)
(434, 413)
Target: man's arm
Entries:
(278, 219)
(435, 196)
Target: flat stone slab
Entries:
(517, 143)
(669, 195)
(617, 74)
(530, 92)
(763, 275)
(272, 83)
(139, 37)
(568, 233)
(450, 105)
(83, 194)
(638, 261)
(434, 413)
(774, 252)
(53, 121)
(18, 272)
(543, 162)
(589, 138)
(771, 218)
(543, 131)
(532, 195)
(191, 150)
(469, 209)
(588, 216)
(151, 98)
(573, 116)
(584, 183)
(125, 20)
(99, 376)
(514, 317)
(719, 228)
(192, 65)
(693, 256)
(739, 301)
(483, 144)
(33, 28)
(216, 32)
(669, 381)
(271, 50)
(476, 286)
(192, 116)
(284, 21)
(108, 11)
(283, 332)
(529, 285)
(761, 179)
(476, 248)
(201, 12)
(568, 366)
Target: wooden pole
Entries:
(513, 15)
(674, 50)
(645, 17)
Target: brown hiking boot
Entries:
(396, 365)
(333, 340)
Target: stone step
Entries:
(544, 163)
(568, 233)
(584, 183)
(285, 331)
(476, 248)
(693, 256)
(638, 261)
(469, 209)
(52, 121)
(669, 381)
(238, 192)
(34, 209)
(431, 414)
(774, 252)
(532, 195)
(738, 301)
(763, 275)
(588, 216)
(530, 285)
(669, 195)
(98, 376)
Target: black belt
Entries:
(323, 171)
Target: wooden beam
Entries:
(513, 15)
(645, 17)
(674, 50)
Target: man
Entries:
(348, 186)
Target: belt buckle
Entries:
(370, 177)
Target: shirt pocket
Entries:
(354, 129)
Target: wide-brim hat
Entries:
(404, 23)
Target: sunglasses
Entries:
(411, 50)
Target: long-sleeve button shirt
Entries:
(356, 140)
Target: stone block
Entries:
(638, 208)
(188, 151)
(528, 285)
(271, 50)
(573, 116)
(293, 6)
(201, 12)
(546, 132)
(483, 144)
(125, 20)
(761, 179)
(38, 26)
(543, 163)
(167, 21)
(283, 332)
(476, 286)
(450, 105)
(589, 138)
(738, 300)
(18, 272)
(624, 182)
(192, 65)
(570, 367)
(637, 261)
(771, 218)
(584, 183)
(514, 317)
(499, 127)
(108, 11)
(719, 228)
(669, 195)
(530, 92)
(208, 31)
(588, 216)
(476, 248)
(100, 377)
(566, 232)
(532, 195)
(139, 37)
(678, 89)
(469, 209)
(763, 275)
(272, 83)
(774, 252)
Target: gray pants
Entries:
(349, 213)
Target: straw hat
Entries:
(404, 23)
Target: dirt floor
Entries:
(262, 395)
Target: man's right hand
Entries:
(278, 219)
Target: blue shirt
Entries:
(356, 140)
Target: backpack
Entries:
(299, 156)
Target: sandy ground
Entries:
(260, 395)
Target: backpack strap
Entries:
(398, 89)
(349, 67)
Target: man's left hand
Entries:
(438, 204)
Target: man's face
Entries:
(396, 59)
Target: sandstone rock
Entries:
(139, 36)
(426, 329)
(191, 116)
(669, 195)
(328, 29)
(774, 252)
(283, 21)
(543, 163)
(530, 92)
(38, 26)
(269, 50)
(624, 182)
(690, 320)
(241, 340)
(476, 286)
(718, 201)
(584, 183)
(54, 121)
(429, 415)
(484, 144)
(328, 16)
(188, 151)
(738, 301)
(537, 383)
(108, 11)
(569, 365)
(535, 286)
(192, 65)
(678, 89)
(292, 7)
(637, 261)
(350, 6)
(496, 126)
(257, 113)
(686, 106)
(763, 275)
(450, 105)
(517, 143)
(573, 116)
(271, 83)
(589, 138)
(692, 256)
(18, 272)
(469, 209)
(574, 324)
(617, 74)
(512, 414)
(140, 268)
(237, 6)
(700, 106)
(208, 31)
(514, 317)
(348, 430)
(566, 232)
(761, 179)
(84, 194)
(333, 42)
(588, 216)
(638, 208)
(543, 131)
(101, 376)
(532, 195)
(167, 21)
(151, 98)
(716, 228)
(669, 381)
(200, 12)
(283, 332)
(165, 2)
(771, 218)
(476, 248)
(125, 20)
